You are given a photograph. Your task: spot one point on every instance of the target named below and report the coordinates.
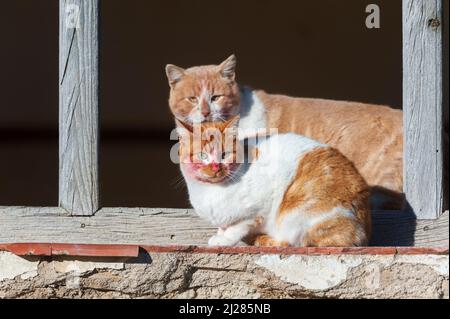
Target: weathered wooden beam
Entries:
(422, 106)
(154, 226)
(78, 106)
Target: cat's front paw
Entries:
(220, 240)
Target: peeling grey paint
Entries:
(193, 275)
(439, 263)
(12, 266)
(83, 266)
(310, 272)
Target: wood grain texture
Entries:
(422, 106)
(78, 106)
(141, 226)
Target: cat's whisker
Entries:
(219, 117)
(178, 182)
(234, 176)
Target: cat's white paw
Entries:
(218, 240)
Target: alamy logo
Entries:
(373, 19)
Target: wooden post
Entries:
(422, 106)
(78, 106)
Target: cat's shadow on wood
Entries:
(393, 227)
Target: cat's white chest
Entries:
(224, 205)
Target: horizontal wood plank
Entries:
(153, 226)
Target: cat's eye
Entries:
(193, 99)
(202, 156)
(216, 98)
(226, 154)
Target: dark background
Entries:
(302, 48)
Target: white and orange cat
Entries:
(290, 190)
(371, 136)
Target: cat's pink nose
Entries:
(204, 108)
(205, 111)
(215, 167)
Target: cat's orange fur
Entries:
(327, 179)
(371, 136)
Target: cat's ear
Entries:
(228, 68)
(174, 74)
(182, 127)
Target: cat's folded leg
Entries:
(220, 231)
(338, 232)
(220, 240)
(267, 241)
(232, 235)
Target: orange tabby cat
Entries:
(371, 136)
(291, 190)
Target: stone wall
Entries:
(203, 275)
